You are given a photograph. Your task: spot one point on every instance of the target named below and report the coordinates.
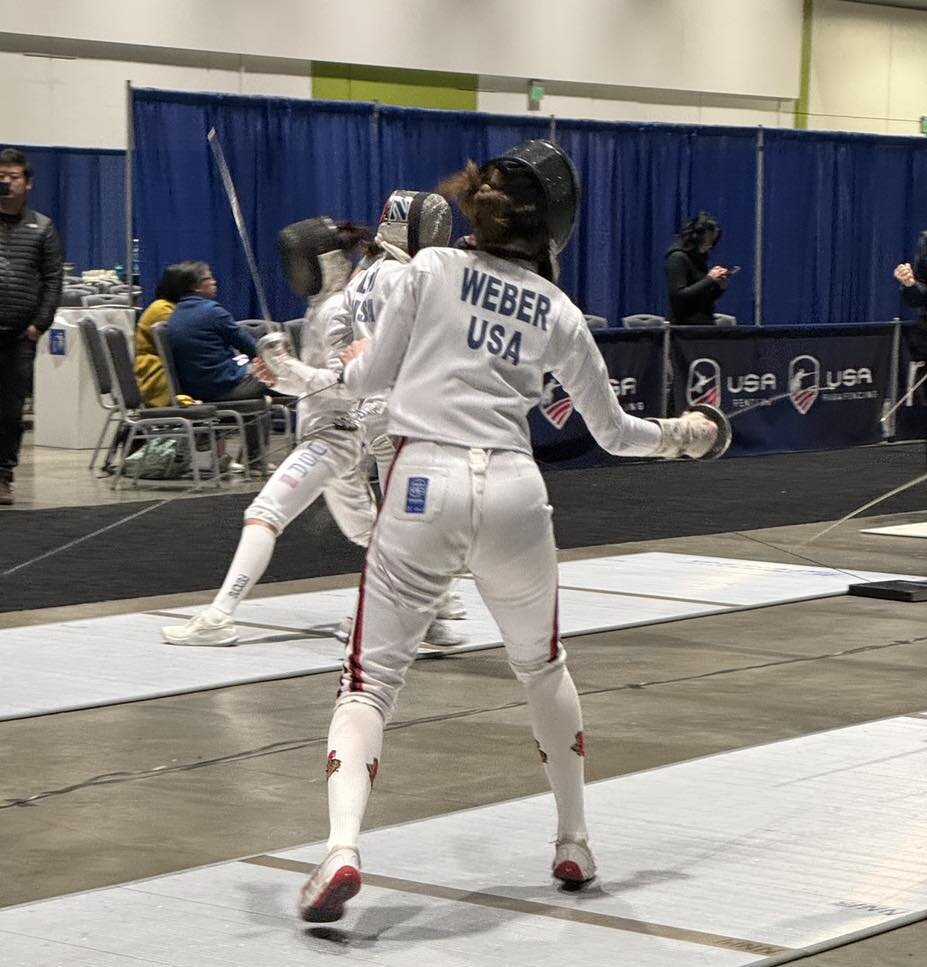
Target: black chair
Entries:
(172, 422)
(237, 412)
(103, 384)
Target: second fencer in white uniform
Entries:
(334, 433)
(464, 343)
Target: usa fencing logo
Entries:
(703, 384)
(804, 382)
(556, 406)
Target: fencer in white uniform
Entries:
(464, 343)
(335, 431)
(409, 222)
(330, 459)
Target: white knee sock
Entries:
(355, 739)
(255, 549)
(557, 723)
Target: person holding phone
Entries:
(692, 286)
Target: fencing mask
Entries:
(312, 253)
(413, 220)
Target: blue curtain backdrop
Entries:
(640, 183)
(289, 159)
(83, 191)
(840, 210)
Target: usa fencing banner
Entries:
(911, 415)
(788, 388)
(635, 363)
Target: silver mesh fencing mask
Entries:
(413, 220)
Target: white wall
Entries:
(81, 103)
(722, 46)
(868, 68)
(635, 104)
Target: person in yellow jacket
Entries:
(149, 370)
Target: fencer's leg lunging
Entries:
(355, 739)
(303, 476)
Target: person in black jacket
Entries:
(913, 279)
(31, 269)
(693, 287)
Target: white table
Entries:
(67, 412)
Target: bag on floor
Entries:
(162, 458)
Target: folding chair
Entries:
(171, 422)
(239, 412)
(103, 384)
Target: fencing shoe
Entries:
(335, 880)
(210, 628)
(573, 862)
(440, 634)
(451, 608)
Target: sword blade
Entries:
(226, 175)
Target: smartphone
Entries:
(733, 270)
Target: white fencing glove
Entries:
(701, 433)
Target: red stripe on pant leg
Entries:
(355, 668)
(555, 637)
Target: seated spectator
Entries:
(149, 371)
(205, 341)
(692, 287)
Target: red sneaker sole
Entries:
(569, 872)
(344, 885)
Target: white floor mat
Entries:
(104, 661)
(899, 530)
(746, 859)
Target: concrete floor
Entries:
(217, 775)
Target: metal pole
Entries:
(888, 427)
(130, 149)
(552, 130)
(376, 160)
(758, 239)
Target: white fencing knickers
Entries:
(449, 509)
(331, 462)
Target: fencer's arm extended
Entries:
(581, 371)
(376, 368)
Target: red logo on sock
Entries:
(579, 746)
(541, 752)
(372, 769)
(332, 765)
